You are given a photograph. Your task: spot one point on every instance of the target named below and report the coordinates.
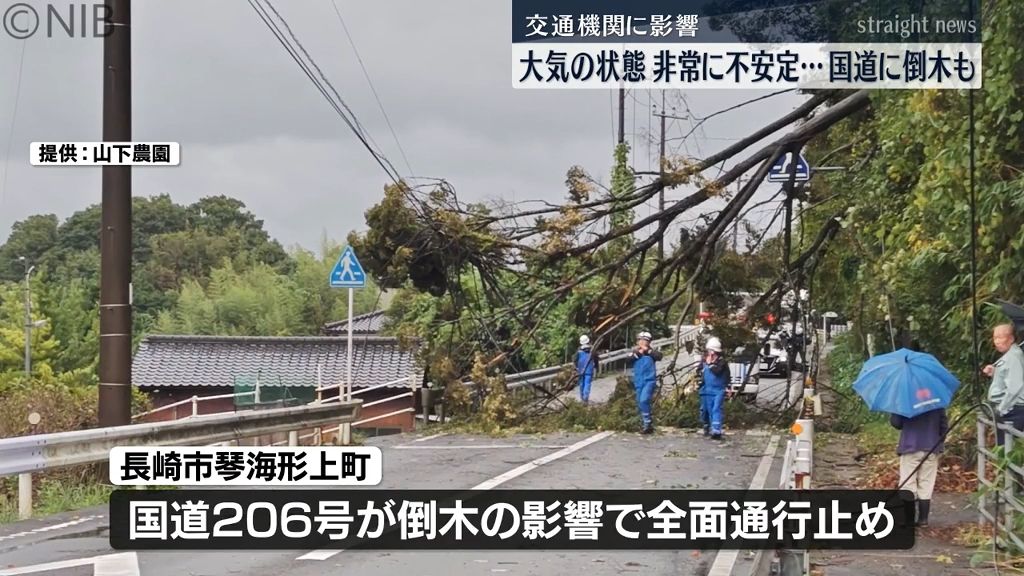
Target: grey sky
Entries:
(211, 76)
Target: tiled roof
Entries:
(371, 323)
(179, 361)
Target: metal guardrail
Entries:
(25, 455)
(523, 382)
(1011, 503)
(797, 471)
(545, 375)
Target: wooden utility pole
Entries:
(661, 172)
(115, 369)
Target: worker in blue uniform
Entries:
(586, 366)
(645, 375)
(714, 371)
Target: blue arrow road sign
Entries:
(780, 171)
(348, 272)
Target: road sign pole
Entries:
(348, 273)
(346, 428)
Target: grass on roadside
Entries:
(54, 497)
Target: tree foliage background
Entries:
(204, 268)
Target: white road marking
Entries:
(725, 560)
(496, 481)
(516, 472)
(50, 528)
(319, 554)
(124, 564)
(431, 437)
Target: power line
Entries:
(353, 122)
(14, 118)
(372, 88)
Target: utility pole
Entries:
(736, 224)
(661, 162)
(622, 114)
(116, 233)
(661, 172)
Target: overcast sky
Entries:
(210, 75)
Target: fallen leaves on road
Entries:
(943, 559)
(884, 472)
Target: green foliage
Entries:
(623, 186)
(29, 239)
(53, 496)
(844, 365)
(205, 268)
(905, 246)
(12, 332)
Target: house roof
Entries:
(187, 361)
(371, 323)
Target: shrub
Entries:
(66, 402)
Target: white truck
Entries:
(745, 373)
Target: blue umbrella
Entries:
(905, 382)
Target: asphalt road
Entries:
(772, 392)
(70, 544)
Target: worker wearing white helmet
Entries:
(586, 365)
(645, 375)
(714, 371)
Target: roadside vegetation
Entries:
(876, 441)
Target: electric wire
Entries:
(14, 118)
(372, 88)
(276, 31)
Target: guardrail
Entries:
(1010, 502)
(25, 455)
(797, 471)
(608, 360)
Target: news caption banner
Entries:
(777, 44)
(105, 153)
(246, 466)
(301, 517)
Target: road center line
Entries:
(537, 463)
(50, 528)
(725, 560)
(121, 564)
(431, 437)
(500, 479)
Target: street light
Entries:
(29, 324)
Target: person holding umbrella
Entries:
(922, 439)
(915, 389)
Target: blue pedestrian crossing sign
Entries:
(780, 171)
(348, 272)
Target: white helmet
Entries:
(714, 344)
(584, 340)
(644, 336)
